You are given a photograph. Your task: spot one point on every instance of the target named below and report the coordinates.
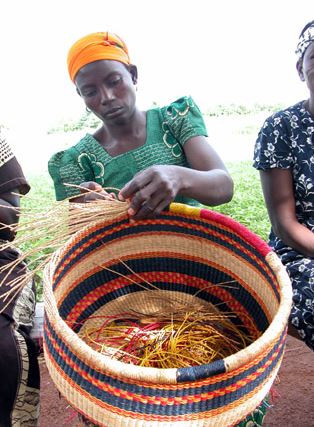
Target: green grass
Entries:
(42, 192)
(247, 205)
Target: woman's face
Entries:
(108, 90)
(306, 70)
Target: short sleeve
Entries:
(273, 145)
(11, 174)
(64, 168)
(184, 120)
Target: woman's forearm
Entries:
(297, 236)
(211, 188)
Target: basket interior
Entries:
(110, 269)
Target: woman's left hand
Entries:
(151, 191)
(90, 191)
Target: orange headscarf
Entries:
(94, 47)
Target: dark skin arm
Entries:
(9, 216)
(207, 181)
(277, 185)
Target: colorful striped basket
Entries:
(183, 251)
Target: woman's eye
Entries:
(87, 93)
(115, 81)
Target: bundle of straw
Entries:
(169, 340)
(45, 231)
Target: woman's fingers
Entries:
(147, 204)
(139, 182)
(90, 185)
(92, 191)
(150, 191)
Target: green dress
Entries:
(168, 129)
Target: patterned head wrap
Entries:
(94, 47)
(305, 39)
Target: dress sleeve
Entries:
(64, 168)
(11, 174)
(273, 147)
(183, 119)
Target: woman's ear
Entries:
(133, 72)
(300, 70)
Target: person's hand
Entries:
(151, 191)
(92, 191)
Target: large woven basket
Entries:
(183, 252)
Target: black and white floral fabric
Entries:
(286, 141)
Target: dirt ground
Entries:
(292, 405)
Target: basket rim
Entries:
(102, 362)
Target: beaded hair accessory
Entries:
(6, 153)
(305, 39)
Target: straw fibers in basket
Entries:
(183, 252)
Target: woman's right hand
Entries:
(278, 189)
(92, 191)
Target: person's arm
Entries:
(207, 181)
(277, 185)
(8, 215)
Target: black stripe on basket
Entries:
(174, 265)
(185, 227)
(162, 410)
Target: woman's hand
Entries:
(8, 215)
(278, 190)
(92, 191)
(151, 190)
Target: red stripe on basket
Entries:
(217, 217)
(152, 253)
(243, 231)
(215, 289)
(225, 226)
(153, 400)
(119, 283)
(81, 247)
(152, 417)
(206, 215)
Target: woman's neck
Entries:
(132, 126)
(122, 137)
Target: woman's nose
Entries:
(106, 95)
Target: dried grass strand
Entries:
(178, 334)
(186, 339)
(45, 231)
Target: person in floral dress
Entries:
(284, 155)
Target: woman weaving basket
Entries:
(165, 149)
(150, 158)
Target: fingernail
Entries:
(131, 211)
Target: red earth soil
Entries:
(292, 400)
